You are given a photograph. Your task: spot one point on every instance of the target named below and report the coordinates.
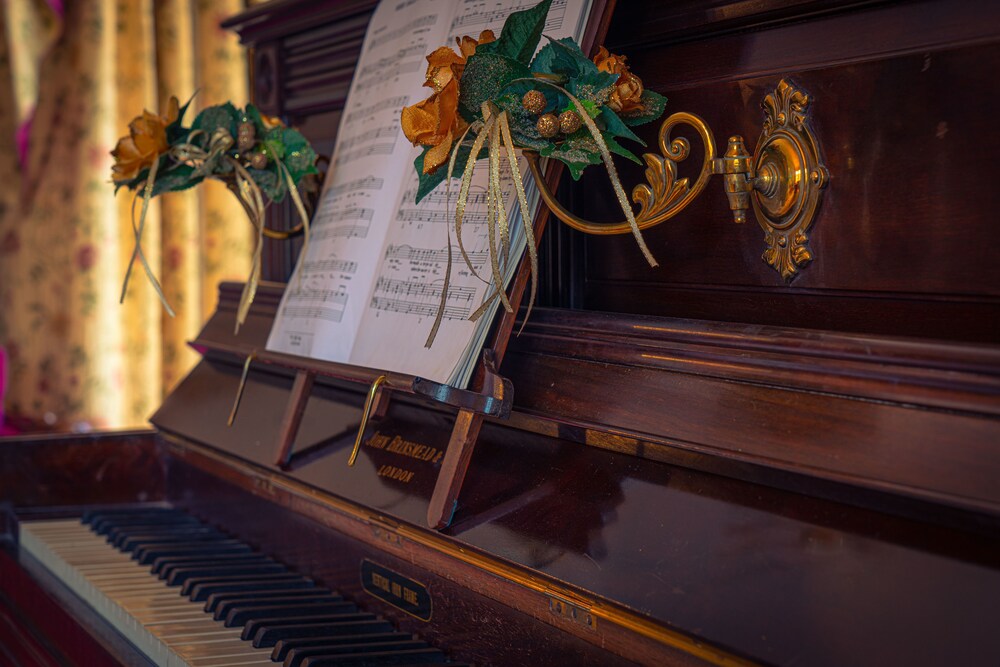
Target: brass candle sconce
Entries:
(783, 180)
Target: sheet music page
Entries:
(372, 277)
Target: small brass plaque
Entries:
(397, 590)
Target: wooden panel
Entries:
(878, 413)
(900, 98)
(71, 470)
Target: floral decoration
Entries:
(498, 96)
(256, 156)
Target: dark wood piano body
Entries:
(707, 463)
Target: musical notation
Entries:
(440, 196)
(341, 231)
(323, 304)
(366, 183)
(313, 313)
(395, 102)
(408, 253)
(415, 308)
(479, 19)
(387, 68)
(333, 216)
(421, 290)
(386, 132)
(367, 151)
(326, 225)
(412, 26)
(446, 217)
(321, 265)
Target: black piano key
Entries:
(110, 526)
(163, 566)
(181, 575)
(268, 637)
(219, 604)
(133, 544)
(285, 646)
(128, 541)
(94, 518)
(296, 657)
(104, 524)
(253, 626)
(146, 555)
(221, 608)
(89, 515)
(199, 589)
(422, 656)
(257, 610)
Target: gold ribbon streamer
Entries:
(609, 163)
(147, 194)
(496, 215)
(252, 200)
(463, 193)
(515, 172)
(243, 187)
(443, 303)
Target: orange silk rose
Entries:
(436, 122)
(627, 95)
(147, 140)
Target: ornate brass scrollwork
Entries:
(783, 181)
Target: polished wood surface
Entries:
(713, 466)
(903, 113)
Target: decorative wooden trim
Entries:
(913, 372)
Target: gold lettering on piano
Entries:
(381, 582)
(398, 445)
(397, 590)
(392, 472)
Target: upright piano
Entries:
(706, 463)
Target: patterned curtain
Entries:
(72, 76)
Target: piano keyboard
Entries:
(186, 594)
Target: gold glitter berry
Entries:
(533, 101)
(245, 135)
(569, 122)
(548, 125)
(258, 161)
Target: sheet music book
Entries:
(368, 288)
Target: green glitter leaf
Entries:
(485, 78)
(181, 177)
(430, 181)
(614, 126)
(223, 116)
(577, 152)
(175, 130)
(617, 149)
(653, 105)
(520, 34)
(269, 183)
(298, 156)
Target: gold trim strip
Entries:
(620, 617)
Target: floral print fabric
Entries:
(75, 356)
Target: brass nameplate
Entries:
(397, 590)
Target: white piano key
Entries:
(169, 628)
